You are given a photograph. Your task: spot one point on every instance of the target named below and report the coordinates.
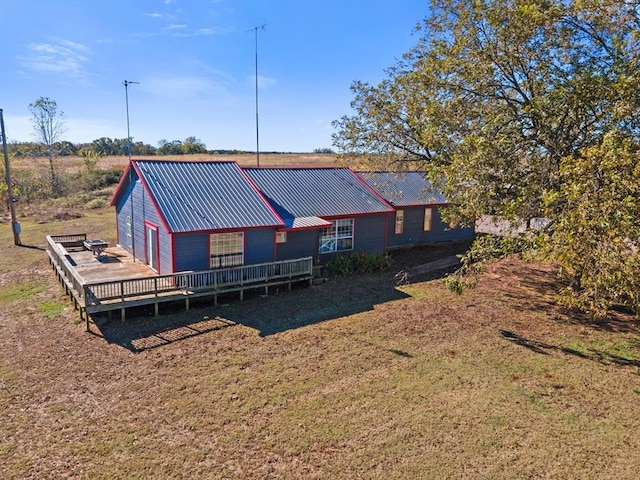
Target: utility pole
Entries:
(15, 226)
(255, 29)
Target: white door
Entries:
(152, 248)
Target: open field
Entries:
(354, 378)
(66, 164)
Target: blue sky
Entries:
(195, 61)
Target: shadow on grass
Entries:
(538, 288)
(33, 247)
(600, 356)
(269, 315)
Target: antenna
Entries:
(255, 29)
(126, 84)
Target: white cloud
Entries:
(58, 57)
(176, 27)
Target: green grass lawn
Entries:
(354, 378)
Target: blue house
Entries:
(190, 216)
(326, 211)
(416, 218)
(177, 216)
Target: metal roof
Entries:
(316, 192)
(403, 189)
(194, 196)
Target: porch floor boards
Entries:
(115, 263)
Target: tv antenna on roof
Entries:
(255, 29)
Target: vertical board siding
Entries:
(123, 210)
(369, 233)
(414, 234)
(143, 210)
(191, 251)
(259, 245)
(301, 243)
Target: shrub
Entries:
(359, 262)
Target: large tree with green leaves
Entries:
(48, 124)
(498, 97)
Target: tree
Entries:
(48, 124)
(193, 145)
(497, 96)
(596, 237)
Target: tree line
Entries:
(105, 147)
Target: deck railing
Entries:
(92, 297)
(57, 250)
(209, 281)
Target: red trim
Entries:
(257, 190)
(298, 229)
(116, 192)
(153, 200)
(172, 236)
(152, 226)
(415, 205)
(370, 188)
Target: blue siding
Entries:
(368, 236)
(143, 210)
(259, 245)
(299, 244)
(191, 251)
(123, 210)
(414, 233)
(369, 233)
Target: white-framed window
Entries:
(338, 237)
(226, 249)
(428, 219)
(399, 222)
(281, 237)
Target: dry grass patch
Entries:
(354, 378)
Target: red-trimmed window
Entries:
(428, 219)
(338, 237)
(226, 249)
(399, 228)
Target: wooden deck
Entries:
(114, 281)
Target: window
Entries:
(428, 214)
(227, 249)
(281, 237)
(338, 237)
(399, 222)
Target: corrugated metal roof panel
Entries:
(195, 196)
(316, 192)
(402, 189)
(309, 222)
